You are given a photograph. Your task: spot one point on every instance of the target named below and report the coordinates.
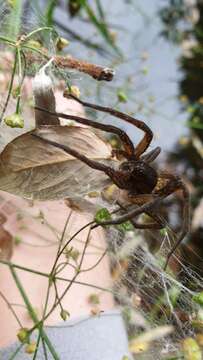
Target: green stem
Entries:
(37, 345)
(35, 50)
(11, 309)
(34, 32)
(33, 314)
(10, 86)
(7, 40)
(4, 262)
(16, 352)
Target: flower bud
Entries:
(23, 335)
(73, 90)
(64, 314)
(30, 348)
(122, 97)
(15, 121)
(61, 43)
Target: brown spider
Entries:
(135, 174)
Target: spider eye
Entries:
(125, 166)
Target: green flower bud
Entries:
(30, 348)
(23, 335)
(122, 97)
(93, 299)
(64, 314)
(16, 92)
(74, 254)
(34, 44)
(61, 43)
(15, 121)
(145, 70)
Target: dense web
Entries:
(153, 298)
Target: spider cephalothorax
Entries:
(140, 177)
(135, 174)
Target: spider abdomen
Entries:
(140, 177)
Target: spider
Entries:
(135, 174)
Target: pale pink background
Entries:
(41, 257)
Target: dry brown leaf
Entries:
(34, 169)
(6, 244)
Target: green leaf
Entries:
(198, 298)
(49, 13)
(194, 125)
(126, 226)
(102, 215)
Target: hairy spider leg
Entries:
(151, 155)
(115, 175)
(143, 144)
(185, 213)
(157, 224)
(127, 143)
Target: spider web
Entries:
(153, 298)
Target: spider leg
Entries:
(185, 213)
(134, 212)
(151, 155)
(127, 143)
(157, 224)
(143, 144)
(160, 222)
(117, 176)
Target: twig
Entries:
(96, 71)
(68, 62)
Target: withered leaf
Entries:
(35, 169)
(6, 244)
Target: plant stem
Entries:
(32, 313)
(10, 85)
(34, 32)
(7, 40)
(16, 352)
(11, 308)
